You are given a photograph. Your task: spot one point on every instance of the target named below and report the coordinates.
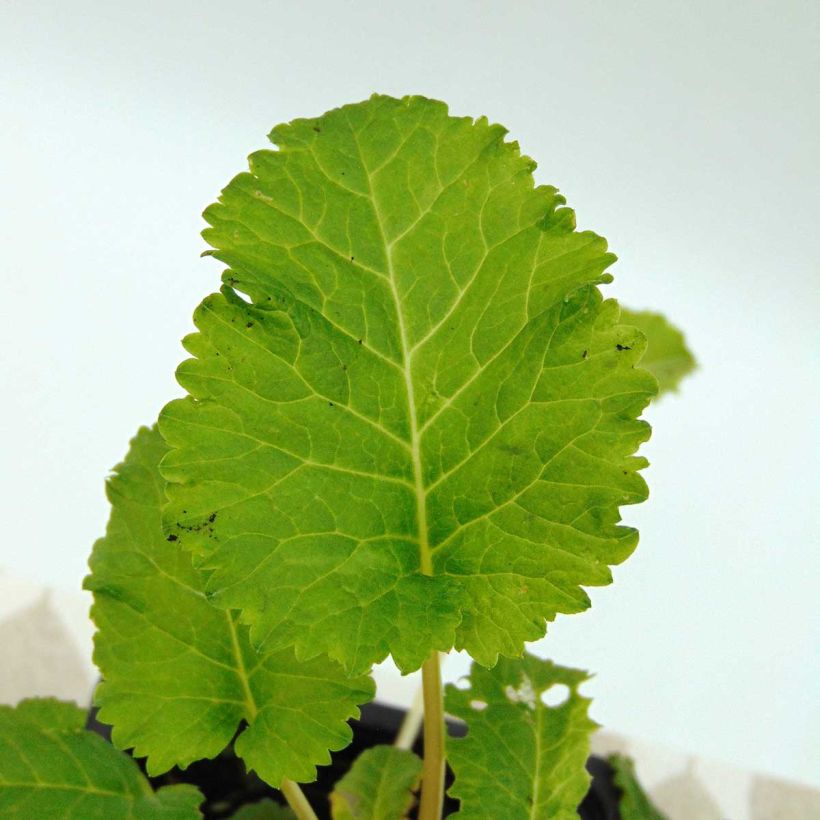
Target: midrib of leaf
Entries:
(537, 765)
(241, 672)
(425, 557)
(64, 787)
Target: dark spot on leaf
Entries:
(330, 404)
(171, 537)
(352, 258)
(212, 518)
(622, 347)
(585, 354)
(317, 129)
(513, 450)
(249, 324)
(360, 341)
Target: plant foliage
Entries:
(522, 757)
(379, 786)
(667, 357)
(50, 766)
(410, 425)
(411, 417)
(179, 674)
(634, 803)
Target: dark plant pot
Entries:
(227, 786)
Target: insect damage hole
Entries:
(557, 695)
(478, 705)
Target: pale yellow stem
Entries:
(297, 801)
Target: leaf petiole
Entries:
(409, 729)
(297, 800)
(432, 779)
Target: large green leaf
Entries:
(180, 674)
(50, 767)
(667, 357)
(521, 758)
(418, 431)
(379, 786)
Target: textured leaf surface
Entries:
(51, 767)
(180, 674)
(521, 758)
(417, 433)
(379, 786)
(634, 803)
(667, 357)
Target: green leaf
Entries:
(418, 431)
(521, 758)
(50, 766)
(51, 714)
(634, 803)
(379, 786)
(263, 810)
(179, 674)
(667, 357)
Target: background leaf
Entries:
(179, 674)
(521, 758)
(51, 767)
(263, 810)
(379, 785)
(418, 431)
(667, 357)
(634, 803)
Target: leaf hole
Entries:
(462, 684)
(478, 705)
(556, 695)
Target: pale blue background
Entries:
(687, 133)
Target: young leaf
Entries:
(179, 674)
(417, 432)
(667, 357)
(521, 758)
(50, 766)
(379, 786)
(634, 804)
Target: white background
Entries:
(687, 133)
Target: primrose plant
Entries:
(411, 421)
